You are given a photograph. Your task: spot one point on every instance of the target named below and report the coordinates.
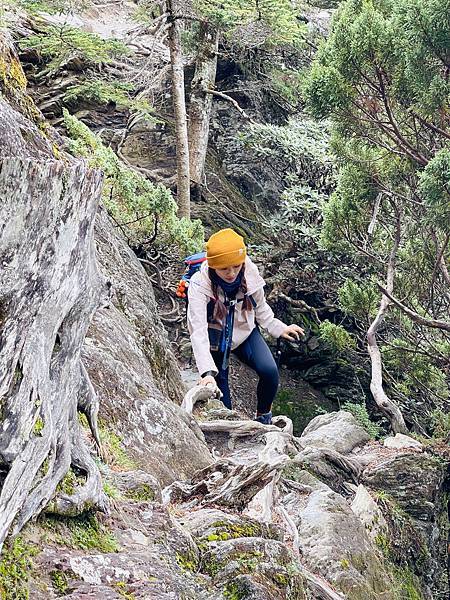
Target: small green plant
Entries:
(187, 562)
(111, 491)
(38, 426)
(234, 591)
(360, 413)
(15, 567)
(59, 582)
(113, 447)
(121, 588)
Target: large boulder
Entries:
(413, 480)
(334, 543)
(338, 431)
(133, 370)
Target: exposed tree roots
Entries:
(50, 289)
(252, 486)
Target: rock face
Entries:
(133, 370)
(334, 543)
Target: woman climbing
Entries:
(226, 302)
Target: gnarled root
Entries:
(50, 289)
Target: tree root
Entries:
(46, 309)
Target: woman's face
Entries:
(229, 274)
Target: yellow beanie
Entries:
(224, 249)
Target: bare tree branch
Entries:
(435, 323)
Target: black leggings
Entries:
(255, 353)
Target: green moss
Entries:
(382, 542)
(83, 532)
(83, 421)
(12, 74)
(113, 447)
(15, 568)
(407, 584)
(111, 491)
(228, 531)
(59, 582)
(121, 588)
(345, 564)
(247, 561)
(69, 482)
(188, 562)
(234, 591)
(142, 493)
(38, 426)
(281, 579)
(214, 537)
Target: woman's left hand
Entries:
(292, 332)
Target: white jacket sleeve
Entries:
(198, 329)
(265, 317)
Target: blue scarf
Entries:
(230, 290)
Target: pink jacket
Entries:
(200, 293)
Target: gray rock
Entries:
(137, 485)
(400, 441)
(337, 430)
(270, 567)
(334, 543)
(413, 480)
(369, 513)
(133, 370)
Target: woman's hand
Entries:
(209, 379)
(293, 333)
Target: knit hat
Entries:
(224, 249)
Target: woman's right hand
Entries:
(209, 379)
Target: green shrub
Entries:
(336, 337)
(440, 424)
(103, 91)
(133, 201)
(58, 43)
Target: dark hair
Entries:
(221, 310)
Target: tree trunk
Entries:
(49, 291)
(384, 403)
(201, 102)
(179, 107)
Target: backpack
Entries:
(193, 264)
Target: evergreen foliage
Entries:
(358, 300)
(136, 204)
(336, 337)
(277, 20)
(103, 91)
(359, 411)
(381, 78)
(59, 43)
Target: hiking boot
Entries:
(265, 418)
